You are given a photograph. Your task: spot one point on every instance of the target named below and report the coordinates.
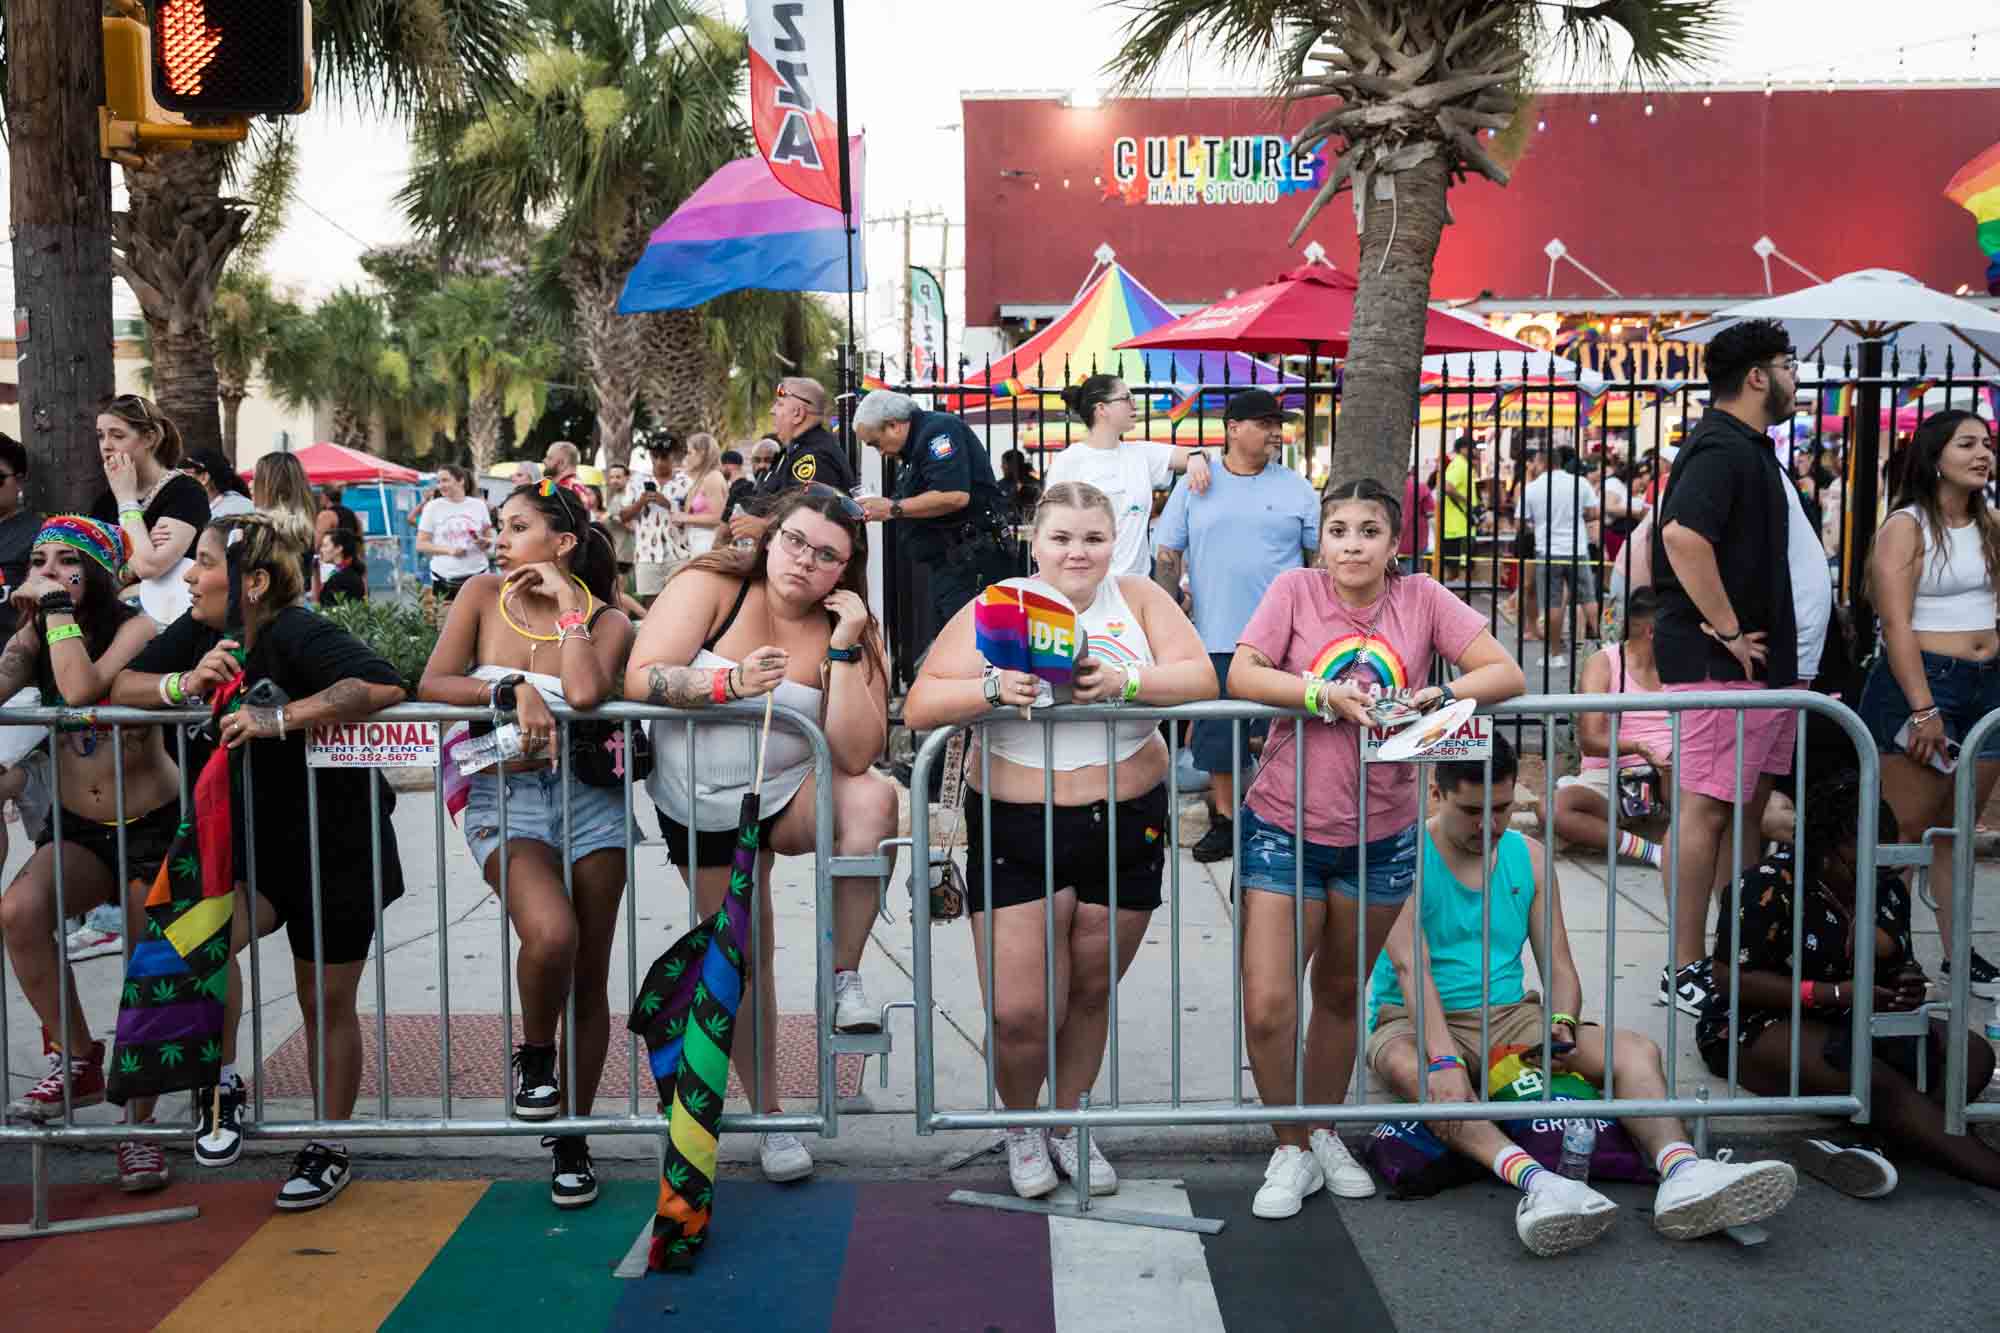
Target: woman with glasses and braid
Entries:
(159, 510)
(787, 618)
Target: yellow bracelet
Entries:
(61, 632)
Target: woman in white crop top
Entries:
(1933, 571)
(1140, 649)
(787, 618)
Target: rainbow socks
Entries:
(1517, 1168)
(1675, 1156)
(1633, 847)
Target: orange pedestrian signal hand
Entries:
(187, 44)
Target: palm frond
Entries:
(1664, 37)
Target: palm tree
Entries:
(467, 334)
(614, 112)
(175, 238)
(1416, 81)
(347, 361)
(249, 327)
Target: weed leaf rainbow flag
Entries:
(1026, 625)
(170, 1011)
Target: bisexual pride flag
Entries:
(1026, 625)
(743, 229)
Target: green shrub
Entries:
(402, 633)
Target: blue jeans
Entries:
(1269, 864)
(1963, 691)
(535, 812)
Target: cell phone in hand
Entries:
(1945, 761)
(652, 485)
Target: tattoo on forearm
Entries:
(678, 687)
(1167, 572)
(17, 665)
(348, 696)
(1258, 659)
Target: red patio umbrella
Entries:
(1306, 312)
(327, 462)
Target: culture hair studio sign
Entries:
(1189, 169)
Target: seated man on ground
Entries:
(1555, 1214)
(1645, 747)
(1904, 1121)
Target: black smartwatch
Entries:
(834, 654)
(504, 697)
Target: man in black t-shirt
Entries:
(18, 525)
(811, 454)
(946, 502)
(1745, 604)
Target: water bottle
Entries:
(496, 747)
(1579, 1141)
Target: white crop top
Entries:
(1954, 593)
(1114, 635)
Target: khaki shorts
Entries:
(1590, 779)
(1507, 1025)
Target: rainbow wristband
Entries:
(61, 632)
(1447, 1062)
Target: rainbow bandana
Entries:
(100, 541)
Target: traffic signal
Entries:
(232, 57)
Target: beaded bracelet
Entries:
(569, 620)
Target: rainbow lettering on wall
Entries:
(1181, 169)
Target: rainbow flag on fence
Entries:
(1843, 402)
(1976, 189)
(1915, 393)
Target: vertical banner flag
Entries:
(926, 325)
(792, 73)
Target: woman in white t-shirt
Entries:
(1126, 471)
(453, 531)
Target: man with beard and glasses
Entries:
(1744, 605)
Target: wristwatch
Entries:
(1446, 696)
(991, 684)
(834, 654)
(502, 696)
(895, 509)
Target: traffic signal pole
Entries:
(60, 196)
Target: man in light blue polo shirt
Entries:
(1257, 520)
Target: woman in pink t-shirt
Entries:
(1359, 630)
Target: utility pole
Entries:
(61, 201)
(908, 314)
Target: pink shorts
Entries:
(1707, 757)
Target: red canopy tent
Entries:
(326, 462)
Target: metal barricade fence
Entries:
(1180, 1110)
(1958, 1115)
(387, 1122)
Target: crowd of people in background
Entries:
(714, 575)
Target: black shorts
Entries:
(1457, 550)
(1082, 846)
(148, 838)
(346, 899)
(712, 847)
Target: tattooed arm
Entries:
(682, 618)
(677, 687)
(343, 701)
(17, 662)
(1168, 565)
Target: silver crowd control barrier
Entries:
(392, 1118)
(1105, 1105)
(1958, 1115)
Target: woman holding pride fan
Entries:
(1142, 649)
(1336, 639)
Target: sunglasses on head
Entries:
(848, 504)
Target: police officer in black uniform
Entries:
(946, 498)
(811, 454)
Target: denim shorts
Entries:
(535, 812)
(1577, 577)
(1268, 864)
(1963, 691)
(1210, 742)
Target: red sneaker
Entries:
(44, 1101)
(141, 1166)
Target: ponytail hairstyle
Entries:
(145, 419)
(594, 562)
(348, 543)
(275, 544)
(1084, 399)
(1367, 490)
(1919, 479)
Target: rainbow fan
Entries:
(1025, 625)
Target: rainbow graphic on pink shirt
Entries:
(1376, 659)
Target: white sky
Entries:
(909, 60)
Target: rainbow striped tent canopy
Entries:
(1083, 341)
(1976, 189)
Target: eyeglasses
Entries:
(6, 477)
(1788, 364)
(1121, 398)
(819, 490)
(796, 545)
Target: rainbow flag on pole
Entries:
(1976, 189)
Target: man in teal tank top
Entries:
(1458, 886)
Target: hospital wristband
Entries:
(132, 512)
(58, 633)
(1131, 690)
(1312, 697)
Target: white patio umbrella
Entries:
(1874, 306)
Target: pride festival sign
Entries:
(1026, 625)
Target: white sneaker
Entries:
(1858, 1172)
(1560, 1215)
(1558, 661)
(1344, 1176)
(1103, 1180)
(1710, 1195)
(783, 1158)
(1292, 1174)
(1029, 1169)
(87, 941)
(851, 1011)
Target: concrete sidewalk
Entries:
(455, 923)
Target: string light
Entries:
(1649, 108)
(1707, 101)
(1593, 117)
(1541, 124)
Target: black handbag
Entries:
(598, 757)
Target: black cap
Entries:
(1256, 405)
(731, 456)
